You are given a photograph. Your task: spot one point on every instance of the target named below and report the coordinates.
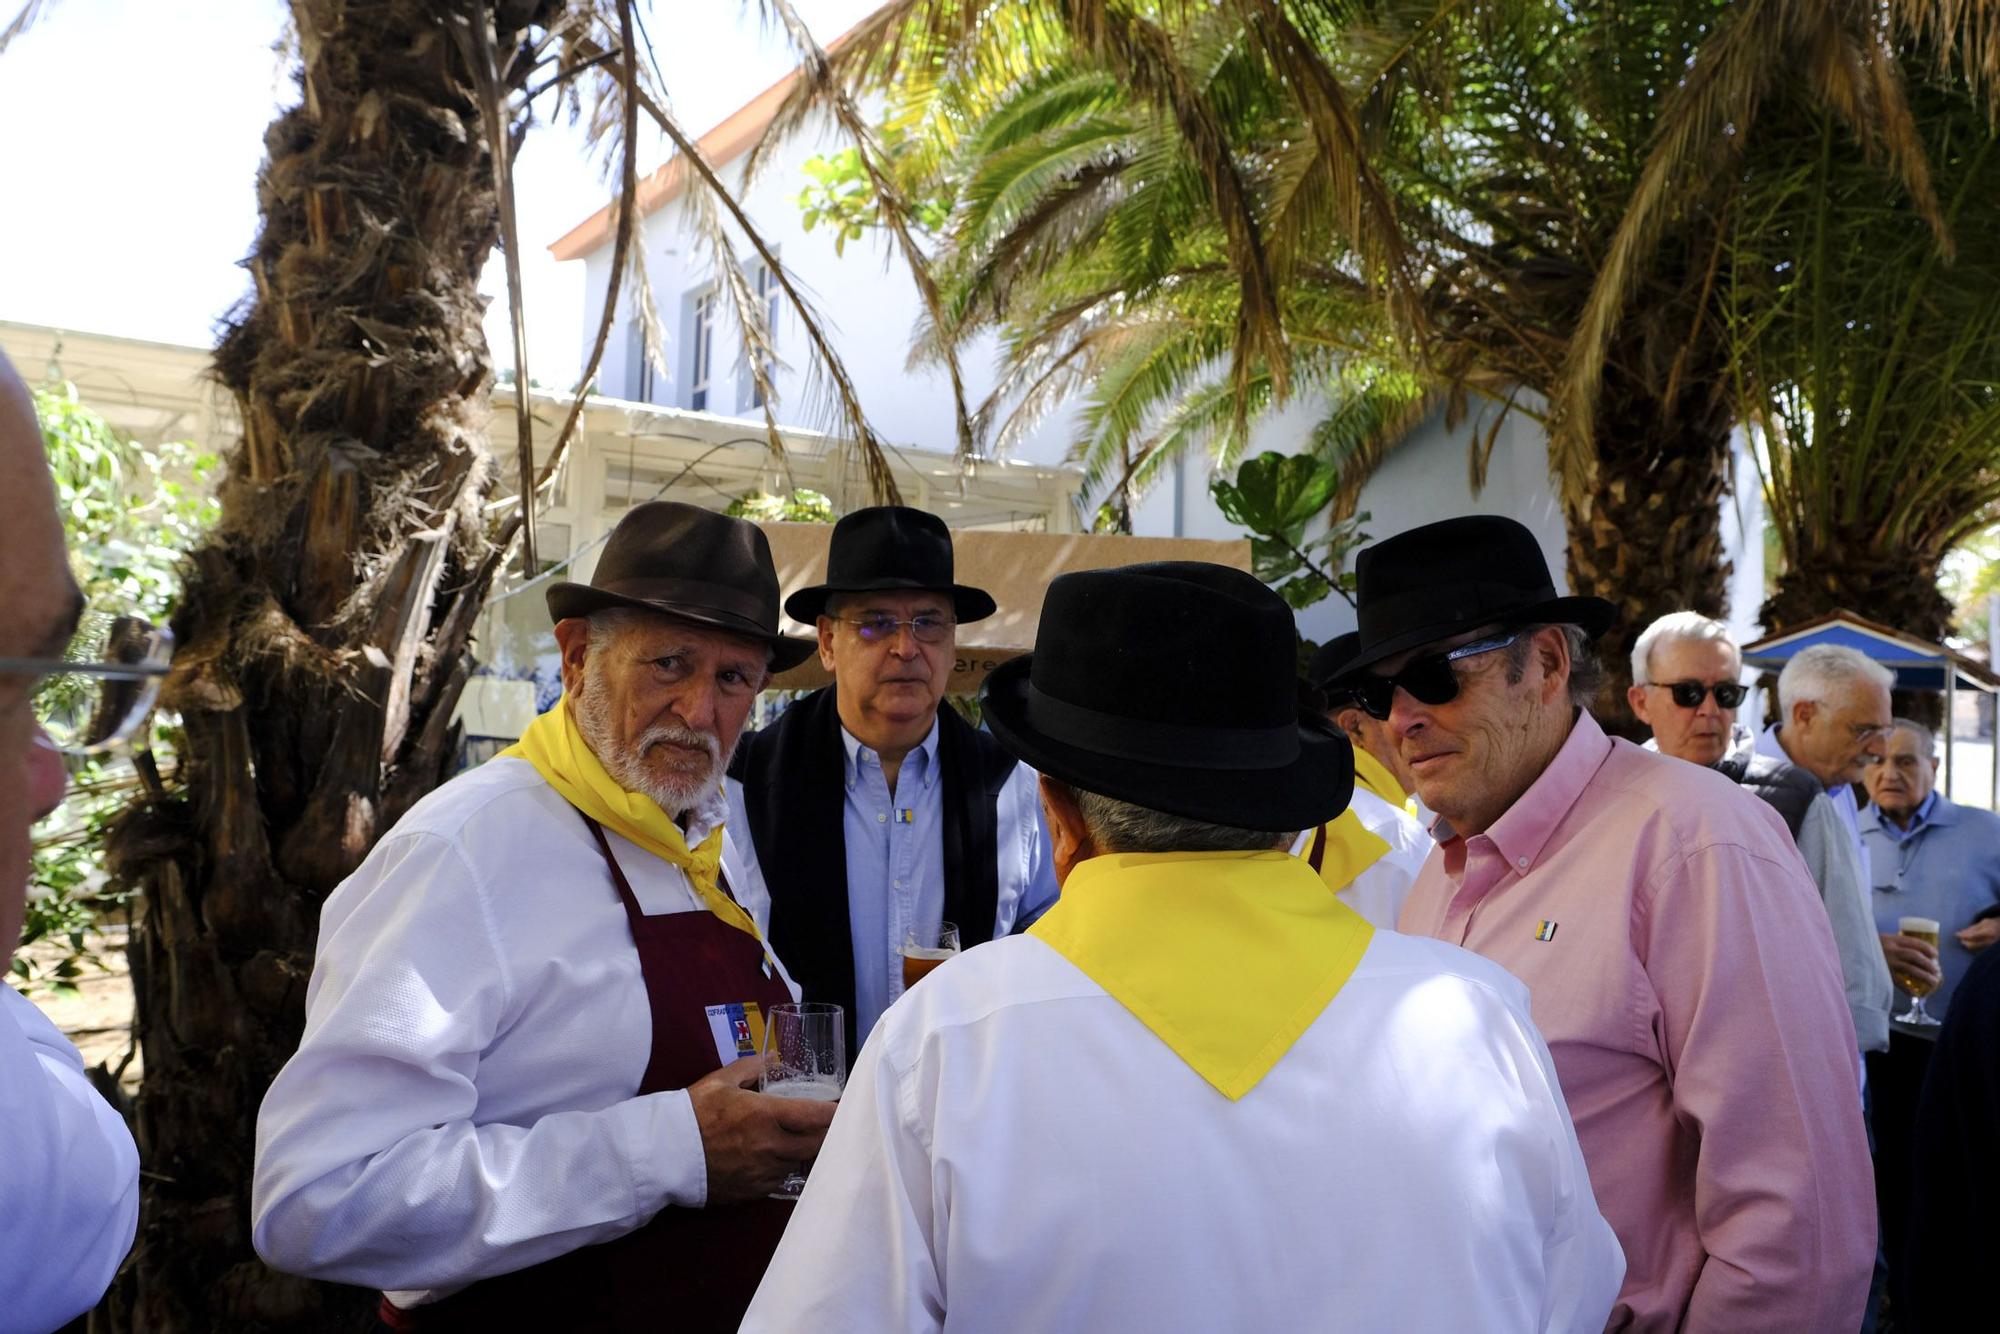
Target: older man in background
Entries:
(69, 1174)
(1685, 671)
(525, 1097)
(1833, 707)
(1674, 947)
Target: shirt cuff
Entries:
(663, 1143)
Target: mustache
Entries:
(674, 734)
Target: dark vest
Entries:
(794, 781)
(1782, 785)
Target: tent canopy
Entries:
(1918, 665)
(1014, 567)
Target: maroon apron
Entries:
(695, 1269)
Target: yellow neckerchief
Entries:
(560, 755)
(1374, 775)
(1226, 956)
(1350, 849)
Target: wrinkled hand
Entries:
(753, 1141)
(1912, 958)
(1980, 934)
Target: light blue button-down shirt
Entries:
(1945, 866)
(1840, 794)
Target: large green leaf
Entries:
(1276, 493)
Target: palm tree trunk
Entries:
(1651, 539)
(325, 623)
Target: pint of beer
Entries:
(1917, 928)
(924, 950)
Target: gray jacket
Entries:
(1823, 842)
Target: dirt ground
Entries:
(98, 1019)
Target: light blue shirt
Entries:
(1945, 866)
(1840, 794)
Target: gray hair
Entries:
(1674, 626)
(1586, 669)
(1817, 672)
(1923, 734)
(1122, 826)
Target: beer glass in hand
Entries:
(805, 1056)
(1925, 929)
(924, 950)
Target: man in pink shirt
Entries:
(1675, 951)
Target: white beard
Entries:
(673, 794)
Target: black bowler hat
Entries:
(1172, 686)
(689, 563)
(1446, 578)
(1329, 661)
(889, 547)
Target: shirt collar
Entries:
(858, 754)
(1525, 828)
(1932, 811)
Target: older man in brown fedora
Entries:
(524, 1094)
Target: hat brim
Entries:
(569, 599)
(1593, 615)
(1304, 794)
(967, 604)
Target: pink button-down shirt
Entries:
(1681, 968)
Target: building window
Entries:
(701, 347)
(638, 366)
(765, 284)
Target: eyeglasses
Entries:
(925, 628)
(1429, 679)
(93, 698)
(1689, 694)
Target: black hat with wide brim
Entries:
(1172, 686)
(1455, 576)
(890, 548)
(692, 564)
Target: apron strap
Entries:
(1313, 858)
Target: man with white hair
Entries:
(1833, 705)
(1685, 671)
(525, 1094)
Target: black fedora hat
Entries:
(1172, 685)
(889, 547)
(1446, 578)
(689, 563)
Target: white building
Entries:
(871, 306)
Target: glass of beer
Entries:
(805, 1056)
(924, 950)
(1926, 929)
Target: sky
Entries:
(131, 132)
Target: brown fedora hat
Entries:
(692, 564)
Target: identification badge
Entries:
(738, 1030)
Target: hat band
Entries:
(1180, 745)
(1462, 604)
(698, 594)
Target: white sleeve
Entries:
(858, 1257)
(370, 1169)
(69, 1177)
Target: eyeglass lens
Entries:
(1689, 694)
(926, 629)
(85, 713)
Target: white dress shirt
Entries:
(1015, 1151)
(69, 1177)
(463, 1102)
(1378, 892)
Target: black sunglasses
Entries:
(1429, 679)
(1689, 694)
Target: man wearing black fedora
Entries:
(524, 1098)
(870, 813)
(1672, 941)
(1200, 1093)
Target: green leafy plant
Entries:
(1275, 496)
(129, 513)
(801, 505)
(841, 196)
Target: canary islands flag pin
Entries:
(1546, 931)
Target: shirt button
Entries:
(1521, 862)
(899, 884)
(881, 817)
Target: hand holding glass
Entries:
(805, 1056)
(1924, 929)
(925, 949)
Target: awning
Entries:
(1014, 567)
